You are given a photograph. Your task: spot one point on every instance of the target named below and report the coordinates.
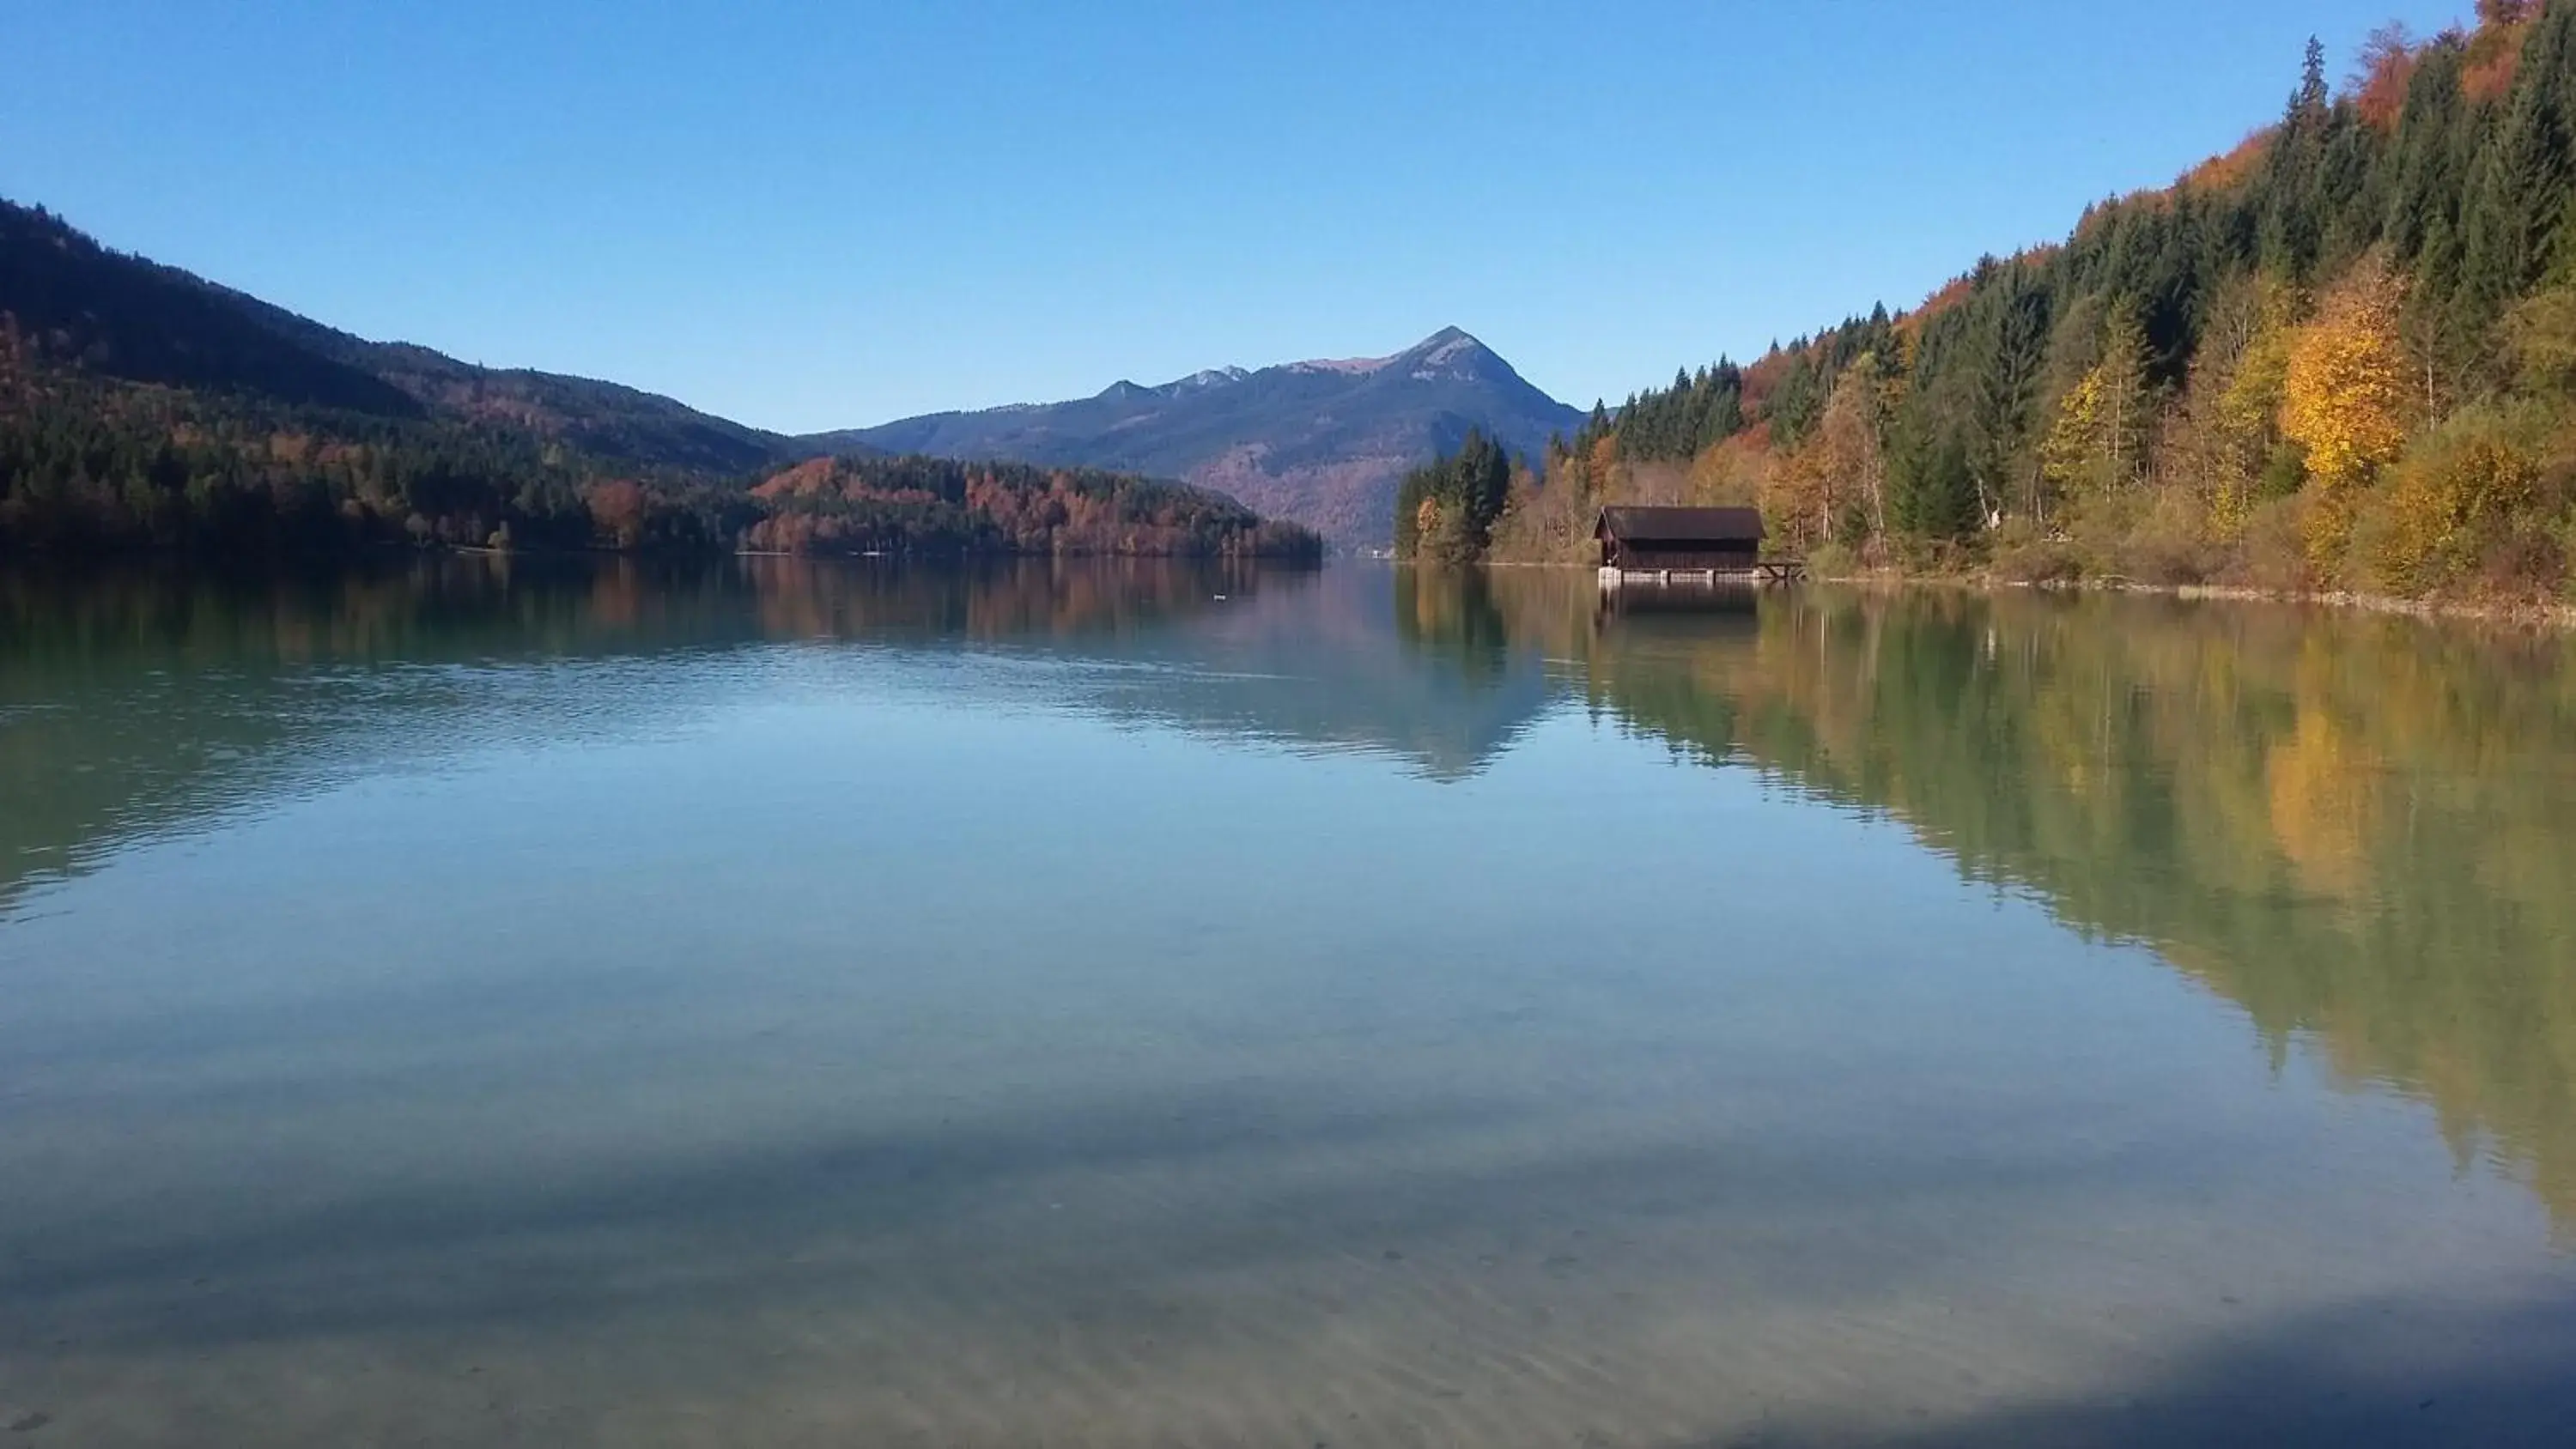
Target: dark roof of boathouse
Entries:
(1680, 525)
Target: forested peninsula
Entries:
(145, 409)
(2341, 356)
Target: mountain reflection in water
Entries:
(1131, 1000)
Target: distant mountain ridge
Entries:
(1322, 442)
(145, 408)
(130, 318)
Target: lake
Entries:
(478, 1003)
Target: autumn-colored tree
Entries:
(2227, 422)
(2069, 443)
(1799, 505)
(2342, 400)
(2495, 50)
(1734, 472)
(2097, 441)
(1851, 438)
(1426, 523)
(2380, 75)
(2343, 391)
(2454, 495)
(2124, 401)
(1601, 464)
(617, 510)
(2250, 398)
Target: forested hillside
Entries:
(142, 407)
(2342, 355)
(934, 505)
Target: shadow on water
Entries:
(1690, 604)
(2356, 1377)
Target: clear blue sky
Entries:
(810, 216)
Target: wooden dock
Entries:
(1765, 572)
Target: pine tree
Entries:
(1932, 491)
(2518, 203)
(2013, 343)
(2289, 229)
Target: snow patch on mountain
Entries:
(1204, 379)
(1451, 351)
(1353, 366)
(1324, 442)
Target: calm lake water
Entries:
(470, 1004)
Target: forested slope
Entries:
(142, 407)
(2342, 355)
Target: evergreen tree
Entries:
(2518, 203)
(2013, 351)
(1932, 491)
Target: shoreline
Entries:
(2527, 614)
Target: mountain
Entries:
(604, 419)
(1322, 443)
(143, 407)
(123, 317)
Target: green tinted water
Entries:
(481, 1005)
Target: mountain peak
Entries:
(1205, 378)
(1450, 352)
(1323, 441)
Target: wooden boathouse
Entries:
(1660, 544)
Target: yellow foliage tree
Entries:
(1728, 473)
(2069, 444)
(2343, 391)
(2098, 439)
(2245, 414)
(2343, 400)
(2452, 492)
(2250, 404)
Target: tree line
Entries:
(93, 464)
(1445, 510)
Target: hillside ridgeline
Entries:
(2341, 356)
(143, 408)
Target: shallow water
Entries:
(470, 1004)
